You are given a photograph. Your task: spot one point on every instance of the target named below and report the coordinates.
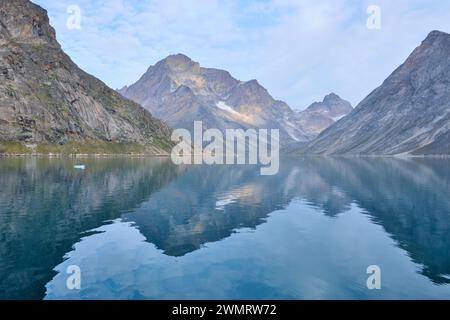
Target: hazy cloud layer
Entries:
(299, 50)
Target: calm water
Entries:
(146, 229)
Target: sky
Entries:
(300, 50)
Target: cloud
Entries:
(299, 50)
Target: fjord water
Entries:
(147, 229)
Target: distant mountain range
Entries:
(45, 99)
(48, 103)
(180, 91)
(321, 115)
(408, 114)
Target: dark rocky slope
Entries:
(46, 99)
(408, 114)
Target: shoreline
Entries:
(90, 155)
(96, 149)
(403, 156)
(167, 155)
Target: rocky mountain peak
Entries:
(436, 36)
(332, 106)
(178, 58)
(25, 22)
(253, 88)
(179, 63)
(249, 94)
(332, 97)
(436, 45)
(180, 91)
(253, 83)
(321, 115)
(427, 62)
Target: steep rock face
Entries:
(321, 115)
(46, 98)
(180, 92)
(408, 114)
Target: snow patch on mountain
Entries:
(223, 106)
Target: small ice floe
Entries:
(79, 166)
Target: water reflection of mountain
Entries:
(45, 204)
(208, 204)
(409, 198)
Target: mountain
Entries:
(408, 114)
(45, 99)
(321, 115)
(180, 91)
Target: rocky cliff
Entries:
(46, 99)
(408, 114)
(180, 91)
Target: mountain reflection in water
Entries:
(144, 228)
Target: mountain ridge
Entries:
(47, 99)
(180, 91)
(387, 121)
(321, 115)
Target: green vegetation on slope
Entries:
(93, 147)
(9, 147)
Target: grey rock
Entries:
(321, 115)
(46, 98)
(180, 91)
(408, 114)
